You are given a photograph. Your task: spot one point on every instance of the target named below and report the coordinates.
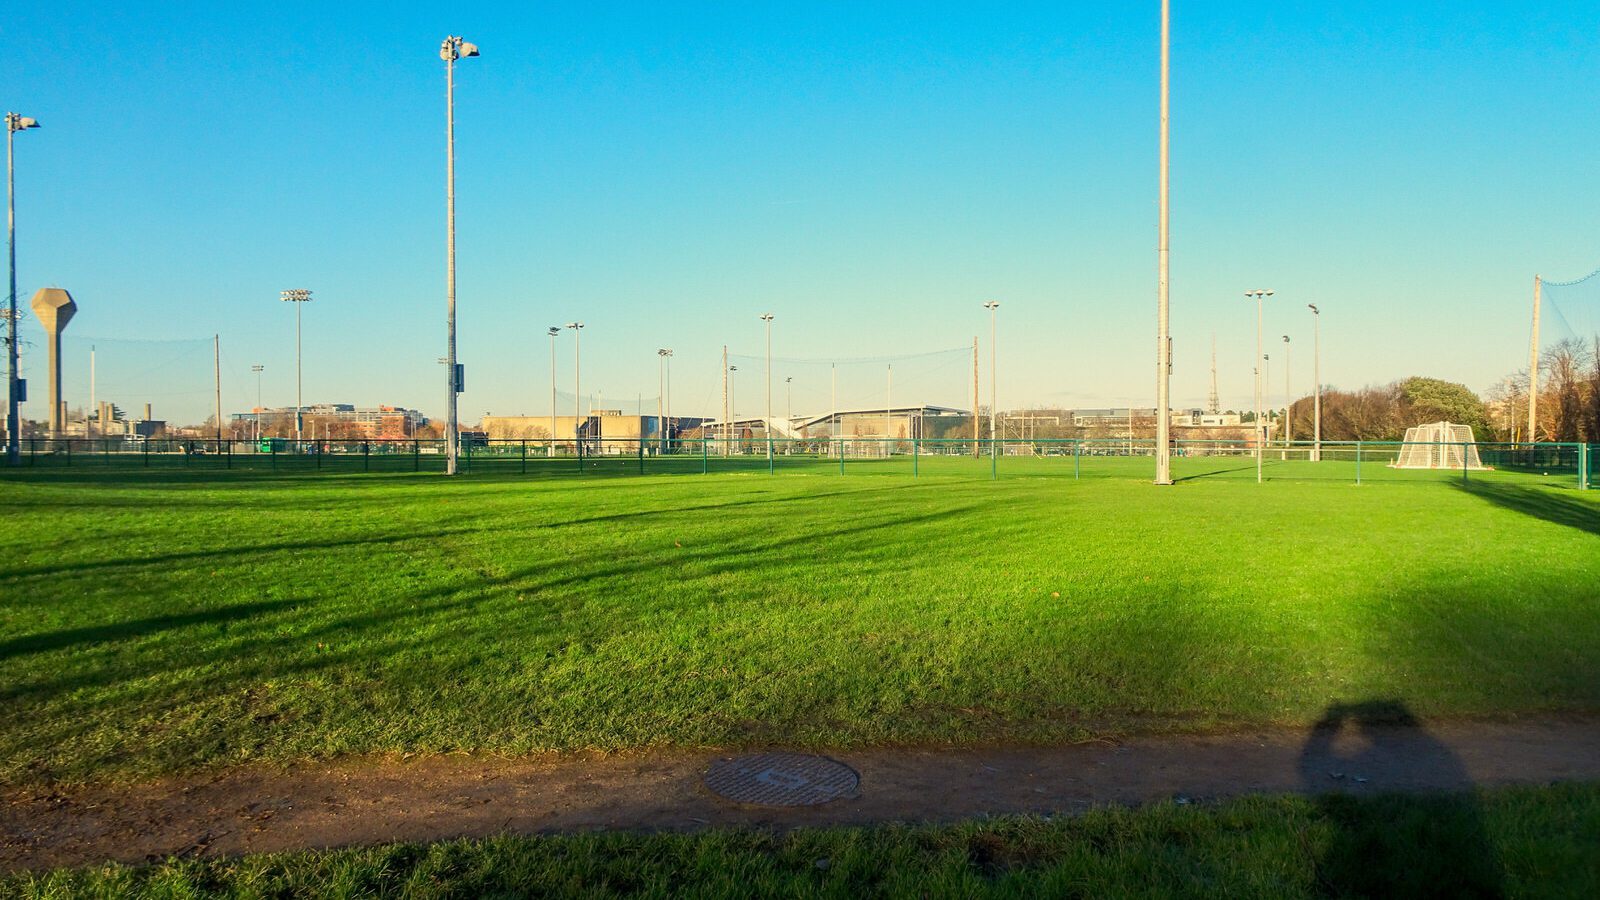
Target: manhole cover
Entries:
(782, 779)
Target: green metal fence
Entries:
(1356, 462)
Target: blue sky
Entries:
(868, 172)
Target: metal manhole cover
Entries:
(782, 779)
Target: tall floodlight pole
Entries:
(1258, 296)
(577, 378)
(452, 49)
(299, 297)
(667, 438)
(661, 397)
(767, 426)
(14, 124)
(1288, 399)
(991, 306)
(789, 383)
(1163, 322)
(258, 369)
(733, 399)
(1533, 361)
(553, 331)
(1316, 389)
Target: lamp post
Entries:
(1316, 388)
(452, 49)
(661, 394)
(299, 297)
(991, 306)
(788, 382)
(767, 424)
(1163, 317)
(666, 353)
(14, 124)
(553, 331)
(577, 379)
(258, 369)
(1288, 398)
(1258, 296)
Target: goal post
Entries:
(1438, 445)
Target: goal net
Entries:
(1439, 445)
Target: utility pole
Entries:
(1163, 322)
(727, 432)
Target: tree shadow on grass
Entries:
(1557, 506)
(1417, 845)
(95, 634)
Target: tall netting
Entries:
(1570, 312)
(1438, 445)
(827, 396)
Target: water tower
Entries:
(55, 309)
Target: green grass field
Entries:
(1522, 842)
(166, 621)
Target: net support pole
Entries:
(1533, 368)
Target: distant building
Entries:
(372, 422)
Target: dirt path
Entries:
(375, 800)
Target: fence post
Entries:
(1358, 462)
(230, 454)
(366, 456)
(641, 452)
(1077, 456)
(1583, 466)
(416, 455)
(916, 453)
(69, 453)
(841, 456)
(524, 456)
(1464, 463)
(994, 465)
(147, 453)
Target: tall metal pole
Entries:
(552, 331)
(1288, 399)
(1533, 364)
(258, 370)
(976, 435)
(94, 405)
(668, 444)
(1316, 375)
(836, 422)
(767, 425)
(577, 379)
(661, 398)
(14, 124)
(994, 408)
(1163, 337)
(725, 412)
(216, 364)
(451, 50)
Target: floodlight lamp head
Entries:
(554, 331)
(1313, 308)
(15, 122)
(295, 295)
(455, 48)
(1269, 293)
(574, 325)
(991, 304)
(1286, 339)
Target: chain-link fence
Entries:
(1356, 462)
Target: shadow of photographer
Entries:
(1427, 844)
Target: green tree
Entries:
(1425, 400)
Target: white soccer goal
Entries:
(1438, 445)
